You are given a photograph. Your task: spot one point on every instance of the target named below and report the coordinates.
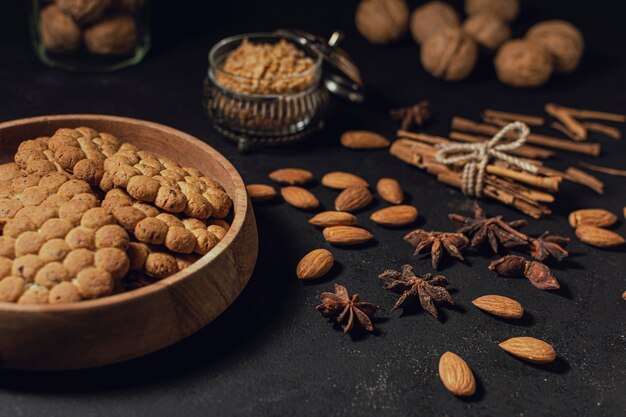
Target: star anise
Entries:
(417, 114)
(494, 229)
(347, 310)
(547, 245)
(453, 243)
(428, 289)
(517, 266)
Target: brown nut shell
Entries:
(563, 41)
(382, 21)
(114, 35)
(432, 17)
(449, 54)
(59, 33)
(525, 64)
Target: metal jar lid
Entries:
(343, 78)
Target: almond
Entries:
(596, 236)
(530, 349)
(353, 198)
(341, 180)
(456, 375)
(395, 216)
(363, 139)
(299, 197)
(390, 190)
(291, 176)
(592, 217)
(333, 218)
(315, 264)
(500, 306)
(346, 235)
(260, 192)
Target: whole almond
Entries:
(456, 375)
(500, 306)
(353, 198)
(592, 217)
(390, 190)
(291, 176)
(346, 235)
(363, 139)
(341, 180)
(333, 218)
(395, 216)
(315, 264)
(299, 197)
(260, 192)
(530, 349)
(596, 236)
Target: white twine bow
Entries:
(478, 156)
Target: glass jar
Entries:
(90, 35)
(267, 111)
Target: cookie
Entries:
(149, 178)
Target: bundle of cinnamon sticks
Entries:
(528, 192)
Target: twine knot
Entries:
(478, 155)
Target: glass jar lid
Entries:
(343, 77)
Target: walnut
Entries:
(83, 11)
(114, 35)
(488, 30)
(432, 17)
(382, 21)
(563, 41)
(450, 54)
(505, 9)
(59, 33)
(521, 63)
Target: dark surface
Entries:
(271, 353)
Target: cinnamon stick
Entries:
(563, 129)
(494, 121)
(609, 131)
(581, 177)
(564, 116)
(512, 117)
(548, 183)
(604, 170)
(465, 125)
(527, 151)
(592, 114)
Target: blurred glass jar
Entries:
(258, 112)
(90, 35)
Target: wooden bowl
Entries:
(124, 326)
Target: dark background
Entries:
(271, 353)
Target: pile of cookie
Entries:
(83, 216)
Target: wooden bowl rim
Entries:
(241, 207)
